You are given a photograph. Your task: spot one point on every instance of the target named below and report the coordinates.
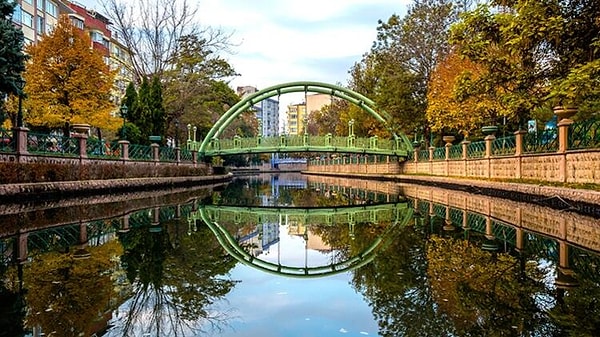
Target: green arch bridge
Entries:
(397, 215)
(398, 145)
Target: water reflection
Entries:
(421, 261)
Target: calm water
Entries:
(291, 255)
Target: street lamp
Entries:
(351, 127)
(20, 82)
(123, 115)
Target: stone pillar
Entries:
(489, 139)
(465, 155)
(124, 144)
(178, 155)
(124, 224)
(20, 139)
(81, 251)
(195, 157)
(416, 154)
(563, 146)
(155, 152)
(21, 247)
(82, 141)
(519, 149)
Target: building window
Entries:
(40, 5)
(28, 1)
(51, 8)
(96, 37)
(77, 22)
(17, 14)
(27, 19)
(40, 25)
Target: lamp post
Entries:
(124, 116)
(20, 82)
(351, 127)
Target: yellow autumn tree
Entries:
(446, 109)
(68, 81)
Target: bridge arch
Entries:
(400, 217)
(353, 97)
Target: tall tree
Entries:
(68, 82)
(194, 91)
(153, 41)
(446, 112)
(12, 58)
(157, 109)
(142, 114)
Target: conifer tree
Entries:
(12, 59)
(157, 108)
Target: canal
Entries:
(295, 255)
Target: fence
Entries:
(22, 145)
(569, 153)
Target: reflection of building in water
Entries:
(258, 238)
(313, 241)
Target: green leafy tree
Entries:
(195, 91)
(12, 58)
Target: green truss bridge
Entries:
(212, 145)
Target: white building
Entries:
(267, 111)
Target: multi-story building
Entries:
(296, 118)
(316, 102)
(115, 54)
(267, 111)
(37, 17)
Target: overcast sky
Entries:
(279, 41)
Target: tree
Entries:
(68, 82)
(193, 89)
(515, 42)
(12, 59)
(445, 111)
(157, 110)
(154, 40)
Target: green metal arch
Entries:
(231, 245)
(302, 86)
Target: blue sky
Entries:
(279, 41)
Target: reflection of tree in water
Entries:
(175, 281)
(434, 286)
(12, 302)
(68, 296)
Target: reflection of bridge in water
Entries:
(570, 239)
(395, 215)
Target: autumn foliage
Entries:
(67, 81)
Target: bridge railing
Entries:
(291, 143)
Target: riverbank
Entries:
(70, 189)
(579, 200)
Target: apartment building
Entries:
(267, 111)
(296, 118)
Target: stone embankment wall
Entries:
(580, 167)
(67, 189)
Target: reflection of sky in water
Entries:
(267, 305)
